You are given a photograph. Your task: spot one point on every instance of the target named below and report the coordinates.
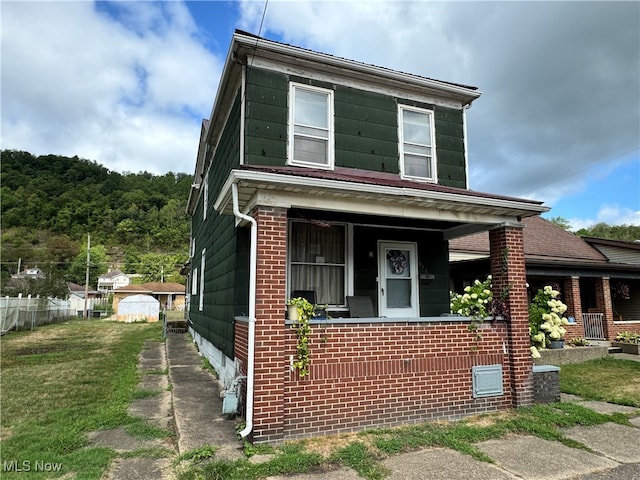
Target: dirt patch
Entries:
(487, 420)
(325, 446)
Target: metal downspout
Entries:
(252, 309)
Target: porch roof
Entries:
(374, 193)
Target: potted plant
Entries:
(546, 320)
(627, 341)
(300, 310)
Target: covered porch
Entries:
(347, 233)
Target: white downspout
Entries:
(252, 308)
(253, 254)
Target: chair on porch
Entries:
(309, 295)
(360, 307)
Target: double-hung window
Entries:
(317, 261)
(417, 144)
(310, 126)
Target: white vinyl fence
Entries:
(23, 313)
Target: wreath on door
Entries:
(398, 261)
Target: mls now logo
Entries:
(29, 466)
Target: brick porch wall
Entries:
(384, 374)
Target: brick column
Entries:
(603, 303)
(571, 297)
(509, 274)
(571, 293)
(268, 409)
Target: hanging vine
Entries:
(303, 331)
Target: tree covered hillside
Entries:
(50, 203)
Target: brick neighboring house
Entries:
(170, 295)
(339, 179)
(586, 271)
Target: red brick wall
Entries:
(384, 374)
(268, 413)
(506, 247)
(571, 297)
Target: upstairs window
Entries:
(310, 126)
(417, 146)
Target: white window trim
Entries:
(194, 282)
(331, 134)
(348, 265)
(201, 298)
(205, 201)
(434, 162)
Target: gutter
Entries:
(289, 182)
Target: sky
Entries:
(127, 84)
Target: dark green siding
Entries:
(266, 118)
(450, 147)
(366, 127)
(366, 130)
(226, 287)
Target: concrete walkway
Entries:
(190, 405)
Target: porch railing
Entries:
(593, 326)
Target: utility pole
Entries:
(86, 279)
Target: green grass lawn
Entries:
(60, 382)
(607, 379)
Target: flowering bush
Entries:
(475, 302)
(546, 320)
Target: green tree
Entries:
(98, 265)
(159, 267)
(561, 222)
(627, 233)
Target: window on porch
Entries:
(317, 261)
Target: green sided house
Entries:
(343, 182)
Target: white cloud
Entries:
(610, 214)
(126, 87)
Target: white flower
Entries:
(535, 353)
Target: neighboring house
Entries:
(587, 277)
(112, 280)
(326, 177)
(29, 272)
(77, 298)
(170, 295)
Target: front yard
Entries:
(63, 381)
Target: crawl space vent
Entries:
(487, 381)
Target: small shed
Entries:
(138, 308)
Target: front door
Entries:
(398, 279)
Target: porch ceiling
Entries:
(464, 210)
